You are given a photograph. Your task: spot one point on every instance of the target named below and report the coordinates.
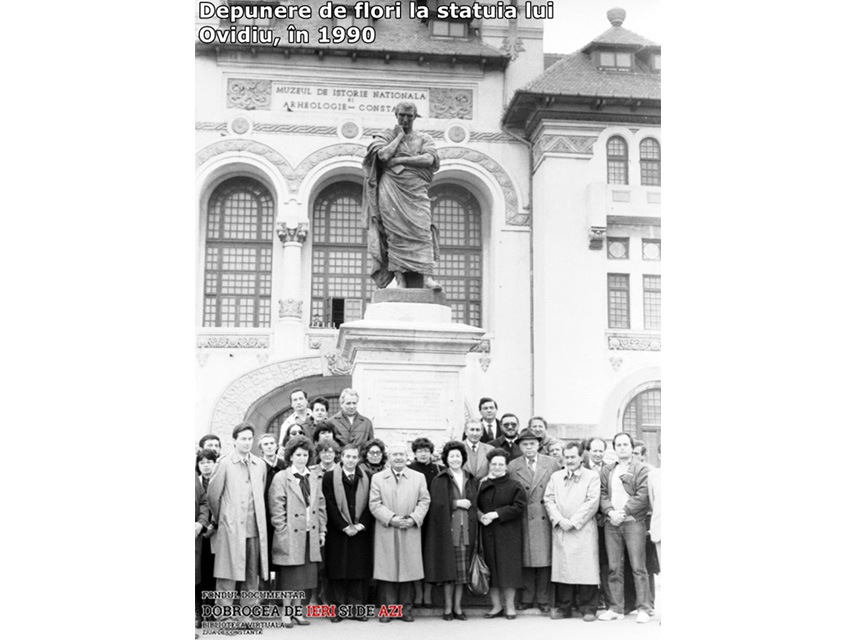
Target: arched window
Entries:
(341, 285)
(618, 160)
(651, 162)
(643, 419)
(238, 255)
(458, 217)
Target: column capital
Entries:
(288, 233)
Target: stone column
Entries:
(289, 327)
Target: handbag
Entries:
(479, 572)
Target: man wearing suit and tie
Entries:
(476, 450)
(488, 408)
(399, 501)
(533, 471)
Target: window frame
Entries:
(615, 161)
(650, 166)
(652, 317)
(615, 321)
(217, 243)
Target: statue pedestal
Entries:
(408, 358)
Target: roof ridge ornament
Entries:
(616, 16)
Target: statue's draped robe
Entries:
(396, 209)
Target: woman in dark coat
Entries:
(424, 464)
(501, 503)
(450, 528)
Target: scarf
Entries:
(341, 499)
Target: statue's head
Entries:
(406, 113)
(407, 106)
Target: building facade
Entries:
(547, 200)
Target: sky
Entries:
(577, 22)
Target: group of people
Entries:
(330, 507)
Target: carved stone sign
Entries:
(417, 400)
(308, 97)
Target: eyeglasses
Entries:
(375, 453)
(510, 424)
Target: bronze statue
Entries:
(402, 239)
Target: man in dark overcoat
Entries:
(350, 525)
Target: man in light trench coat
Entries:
(572, 498)
(236, 498)
(533, 471)
(399, 502)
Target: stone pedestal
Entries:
(408, 358)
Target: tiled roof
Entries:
(405, 35)
(620, 36)
(576, 75)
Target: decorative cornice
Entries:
(296, 234)
(633, 342)
(310, 130)
(563, 145)
(292, 129)
(512, 214)
(220, 341)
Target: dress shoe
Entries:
(494, 615)
(556, 614)
(286, 622)
(523, 606)
(300, 621)
(459, 616)
(430, 283)
(408, 618)
(336, 619)
(361, 619)
(543, 608)
(511, 616)
(385, 619)
(448, 616)
(589, 617)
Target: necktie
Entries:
(531, 465)
(350, 477)
(397, 477)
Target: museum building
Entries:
(547, 200)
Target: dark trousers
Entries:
(581, 596)
(397, 593)
(537, 589)
(604, 593)
(345, 591)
